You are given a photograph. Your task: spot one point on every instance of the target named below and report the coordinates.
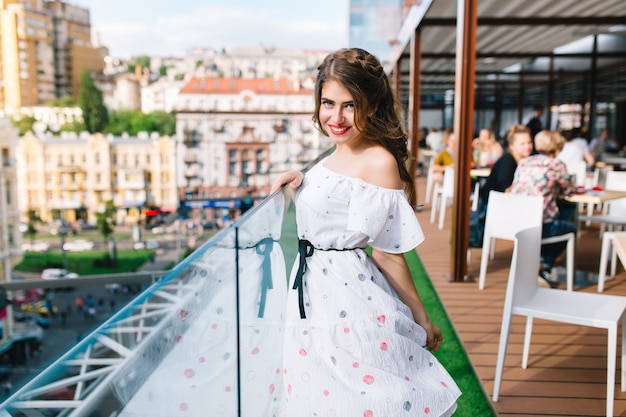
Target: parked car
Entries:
(148, 244)
(20, 317)
(35, 246)
(79, 245)
(57, 273)
(39, 307)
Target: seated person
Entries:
(602, 143)
(545, 175)
(576, 149)
(486, 150)
(445, 158)
(520, 145)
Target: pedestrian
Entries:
(79, 304)
(357, 336)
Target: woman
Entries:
(357, 333)
(486, 149)
(520, 145)
(543, 174)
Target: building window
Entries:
(8, 192)
(10, 231)
(6, 160)
(97, 158)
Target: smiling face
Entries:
(521, 146)
(337, 112)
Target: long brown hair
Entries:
(376, 109)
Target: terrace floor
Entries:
(566, 374)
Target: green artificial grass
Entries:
(473, 402)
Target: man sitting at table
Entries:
(543, 174)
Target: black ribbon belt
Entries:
(264, 247)
(305, 249)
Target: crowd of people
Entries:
(529, 160)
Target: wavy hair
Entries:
(376, 109)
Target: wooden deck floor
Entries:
(566, 374)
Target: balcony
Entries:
(191, 138)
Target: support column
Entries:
(591, 99)
(467, 21)
(414, 105)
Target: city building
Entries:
(10, 235)
(43, 47)
(234, 133)
(374, 25)
(71, 176)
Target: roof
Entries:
(519, 36)
(215, 85)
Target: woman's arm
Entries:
(395, 268)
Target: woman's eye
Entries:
(350, 106)
(327, 103)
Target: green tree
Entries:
(65, 101)
(23, 124)
(106, 220)
(90, 101)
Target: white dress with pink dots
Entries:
(357, 352)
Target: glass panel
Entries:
(174, 348)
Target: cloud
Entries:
(218, 26)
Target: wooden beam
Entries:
(467, 17)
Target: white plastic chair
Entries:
(430, 180)
(614, 211)
(598, 180)
(524, 298)
(507, 215)
(615, 242)
(441, 194)
(579, 170)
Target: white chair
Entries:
(615, 242)
(430, 180)
(614, 211)
(441, 194)
(598, 180)
(578, 169)
(524, 298)
(509, 213)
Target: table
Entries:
(480, 172)
(596, 197)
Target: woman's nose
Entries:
(338, 116)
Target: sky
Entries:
(170, 27)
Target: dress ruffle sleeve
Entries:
(386, 217)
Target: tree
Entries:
(23, 124)
(65, 101)
(90, 101)
(106, 220)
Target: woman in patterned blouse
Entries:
(543, 174)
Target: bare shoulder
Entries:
(380, 168)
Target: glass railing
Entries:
(205, 340)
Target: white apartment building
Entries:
(233, 134)
(71, 176)
(161, 95)
(10, 236)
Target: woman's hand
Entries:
(433, 335)
(293, 178)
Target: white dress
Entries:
(358, 351)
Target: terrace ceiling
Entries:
(520, 37)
